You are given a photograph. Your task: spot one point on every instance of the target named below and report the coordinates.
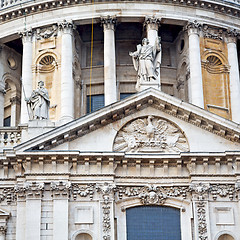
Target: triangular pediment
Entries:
(149, 102)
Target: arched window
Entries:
(225, 237)
(153, 222)
(83, 236)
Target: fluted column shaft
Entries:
(27, 76)
(110, 86)
(152, 24)
(67, 83)
(196, 84)
(234, 78)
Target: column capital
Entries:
(108, 22)
(193, 27)
(66, 26)
(15, 100)
(60, 189)
(26, 35)
(232, 35)
(151, 22)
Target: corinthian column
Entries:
(234, 75)
(27, 75)
(152, 24)
(196, 85)
(67, 84)
(110, 86)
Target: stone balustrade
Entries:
(9, 137)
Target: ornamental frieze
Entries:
(150, 134)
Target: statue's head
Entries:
(145, 41)
(40, 83)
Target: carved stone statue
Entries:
(150, 134)
(38, 103)
(146, 61)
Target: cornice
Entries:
(31, 7)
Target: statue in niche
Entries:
(147, 60)
(38, 103)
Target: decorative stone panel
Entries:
(150, 134)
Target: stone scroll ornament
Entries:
(146, 61)
(150, 134)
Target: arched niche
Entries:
(12, 96)
(83, 236)
(46, 69)
(216, 89)
(225, 237)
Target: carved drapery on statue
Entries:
(146, 61)
(150, 134)
(38, 103)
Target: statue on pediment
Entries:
(147, 61)
(38, 103)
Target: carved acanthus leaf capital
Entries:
(152, 22)
(29, 190)
(193, 27)
(232, 35)
(60, 189)
(199, 189)
(109, 22)
(26, 35)
(106, 189)
(66, 26)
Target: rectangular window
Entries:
(7, 122)
(97, 102)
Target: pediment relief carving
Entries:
(150, 134)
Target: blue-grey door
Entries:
(153, 223)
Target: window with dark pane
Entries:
(97, 102)
(124, 95)
(153, 223)
(7, 122)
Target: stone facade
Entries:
(173, 143)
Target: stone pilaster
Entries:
(107, 216)
(60, 194)
(201, 211)
(27, 75)
(234, 74)
(15, 104)
(67, 83)
(110, 85)
(29, 197)
(195, 83)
